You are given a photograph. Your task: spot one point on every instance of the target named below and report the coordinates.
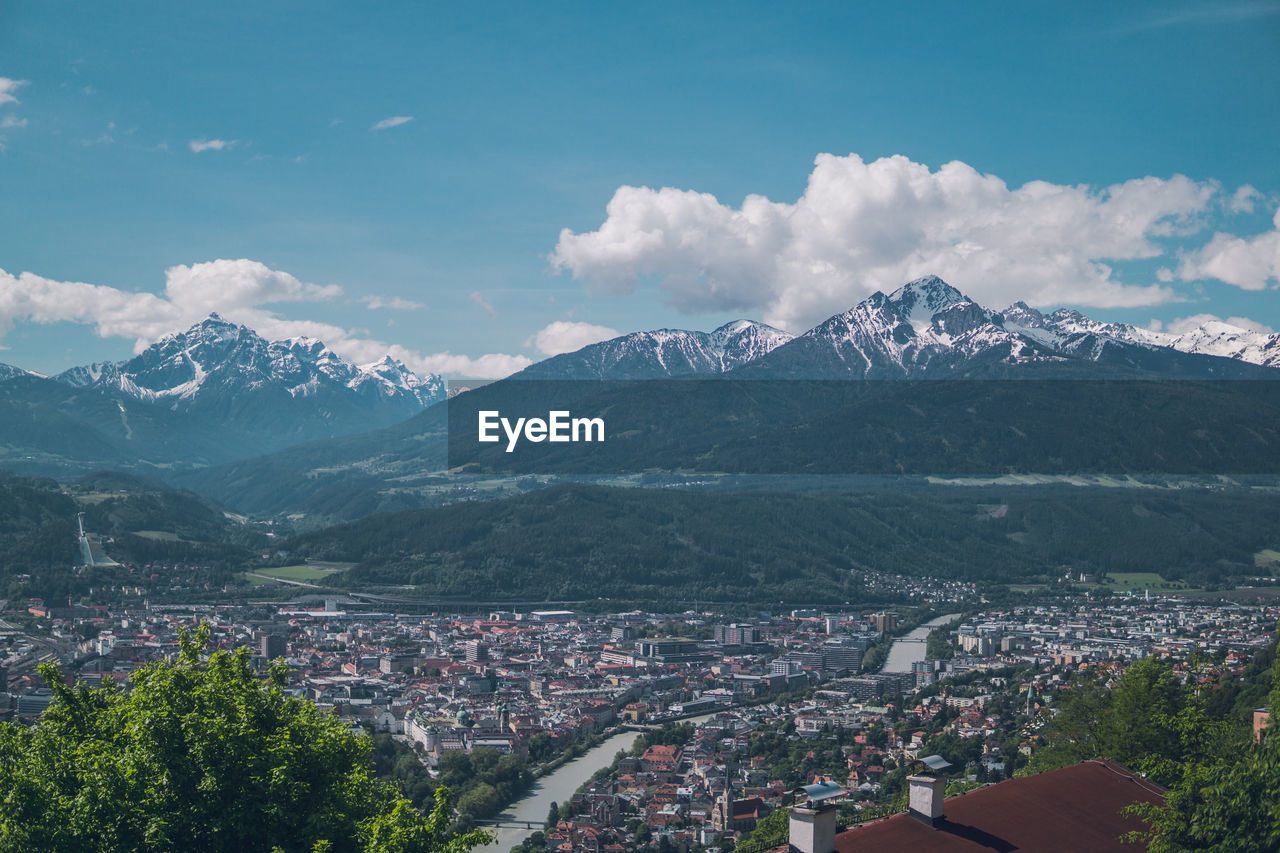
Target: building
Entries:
(1261, 716)
(1071, 809)
(737, 635)
(272, 646)
(843, 655)
(670, 650)
(477, 652)
(884, 621)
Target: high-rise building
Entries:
(477, 652)
(838, 656)
(272, 646)
(885, 621)
(737, 635)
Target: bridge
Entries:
(500, 823)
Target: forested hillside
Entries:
(584, 542)
(140, 522)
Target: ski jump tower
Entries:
(86, 552)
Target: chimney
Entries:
(813, 829)
(813, 823)
(927, 789)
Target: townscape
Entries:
(696, 725)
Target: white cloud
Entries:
(236, 289)
(198, 145)
(569, 336)
(861, 227)
(489, 366)
(1249, 263)
(393, 121)
(395, 303)
(1183, 325)
(485, 305)
(12, 122)
(7, 87)
(1243, 199)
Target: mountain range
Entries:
(925, 329)
(272, 426)
(212, 393)
(666, 353)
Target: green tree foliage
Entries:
(770, 832)
(1224, 803)
(664, 544)
(1148, 721)
(198, 754)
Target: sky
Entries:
(475, 186)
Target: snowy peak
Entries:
(919, 301)
(664, 353)
(740, 341)
(923, 328)
(218, 358)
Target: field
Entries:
(307, 573)
(1120, 581)
(1267, 559)
(159, 535)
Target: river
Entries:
(911, 648)
(560, 786)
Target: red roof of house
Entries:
(1071, 809)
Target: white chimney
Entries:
(927, 793)
(813, 823)
(813, 830)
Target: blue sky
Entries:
(237, 146)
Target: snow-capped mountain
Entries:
(216, 357)
(664, 353)
(1067, 329)
(8, 371)
(1214, 338)
(927, 328)
(212, 393)
(924, 328)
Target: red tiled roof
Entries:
(1071, 809)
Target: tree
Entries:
(1228, 804)
(200, 755)
(1149, 722)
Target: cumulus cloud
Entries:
(1182, 325)
(198, 145)
(238, 290)
(569, 336)
(1249, 263)
(7, 88)
(393, 121)
(1243, 199)
(394, 303)
(861, 227)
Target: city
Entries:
(716, 720)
